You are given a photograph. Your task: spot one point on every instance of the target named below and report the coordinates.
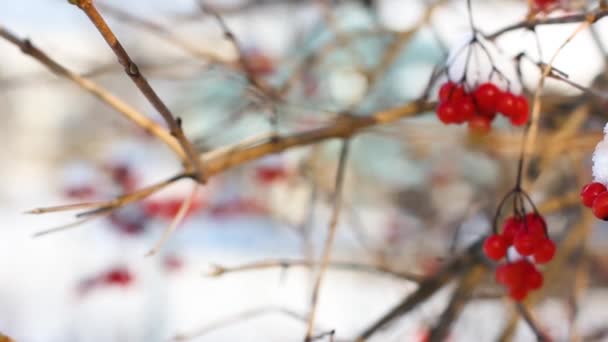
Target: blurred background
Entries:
(416, 193)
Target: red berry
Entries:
(465, 109)
(600, 206)
(525, 243)
(259, 63)
(446, 112)
(590, 192)
(511, 228)
(480, 125)
(506, 104)
(536, 225)
(514, 275)
(502, 274)
(486, 97)
(118, 276)
(450, 91)
(445, 91)
(270, 174)
(172, 263)
(490, 115)
(544, 4)
(534, 280)
(545, 251)
(521, 111)
(495, 247)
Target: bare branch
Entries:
(129, 112)
(329, 240)
(219, 271)
(131, 69)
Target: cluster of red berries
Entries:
(528, 236)
(520, 277)
(595, 196)
(479, 107)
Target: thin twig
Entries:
(342, 126)
(529, 319)
(461, 295)
(108, 206)
(428, 287)
(28, 48)
(329, 240)
(192, 163)
(591, 17)
(163, 33)
(219, 271)
(177, 220)
(532, 129)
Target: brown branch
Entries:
(592, 17)
(163, 33)
(531, 321)
(510, 326)
(460, 297)
(329, 240)
(219, 271)
(237, 45)
(129, 112)
(343, 126)
(192, 163)
(428, 287)
(175, 222)
(107, 206)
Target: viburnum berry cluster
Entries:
(480, 106)
(595, 196)
(527, 235)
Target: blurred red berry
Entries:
(450, 92)
(545, 251)
(590, 192)
(124, 176)
(544, 4)
(486, 97)
(259, 63)
(525, 243)
(510, 228)
(445, 90)
(118, 276)
(536, 225)
(172, 263)
(480, 125)
(506, 104)
(502, 274)
(495, 247)
(521, 111)
(600, 206)
(80, 192)
(534, 280)
(465, 109)
(446, 112)
(270, 174)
